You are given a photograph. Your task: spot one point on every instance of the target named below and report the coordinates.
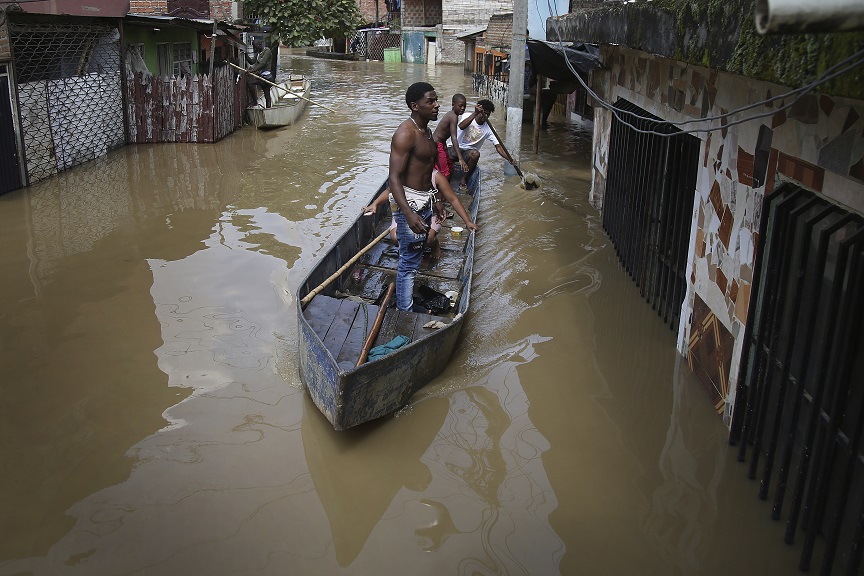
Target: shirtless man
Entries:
(412, 158)
(448, 127)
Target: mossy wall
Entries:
(719, 34)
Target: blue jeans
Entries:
(411, 247)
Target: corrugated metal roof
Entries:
(470, 32)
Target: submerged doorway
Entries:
(800, 403)
(648, 205)
(431, 46)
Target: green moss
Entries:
(721, 34)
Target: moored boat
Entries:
(288, 102)
(337, 320)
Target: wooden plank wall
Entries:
(184, 109)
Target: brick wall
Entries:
(148, 6)
(367, 10)
(421, 13)
(221, 10)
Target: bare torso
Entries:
(444, 129)
(420, 160)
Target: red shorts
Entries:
(444, 164)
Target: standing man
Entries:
(412, 158)
(261, 68)
(473, 131)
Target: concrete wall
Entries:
(461, 15)
(817, 143)
(5, 47)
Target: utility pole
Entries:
(516, 83)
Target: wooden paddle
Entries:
(281, 87)
(376, 326)
(528, 185)
(308, 298)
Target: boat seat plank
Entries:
(396, 323)
(320, 313)
(410, 324)
(339, 328)
(357, 334)
(381, 254)
(368, 282)
(422, 320)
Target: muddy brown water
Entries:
(152, 420)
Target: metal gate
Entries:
(800, 405)
(10, 175)
(69, 93)
(371, 43)
(648, 206)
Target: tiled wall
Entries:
(818, 142)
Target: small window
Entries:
(182, 52)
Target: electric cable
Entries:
(857, 59)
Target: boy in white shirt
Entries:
(473, 132)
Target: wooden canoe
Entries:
(286, 107)
(334, 325)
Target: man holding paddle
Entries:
(473, 132)
(260, 73)
(413, 153)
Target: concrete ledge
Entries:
(719, 34)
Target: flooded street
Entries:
(152, 421)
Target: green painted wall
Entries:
(147, 35)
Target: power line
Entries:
(856, 60)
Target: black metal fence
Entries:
(800, 403)
(69, 93)
(648, 205)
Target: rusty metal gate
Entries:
(648, 206)
(10, 176)
(69, 93)
(800, 403)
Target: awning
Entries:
(548, 59)
(471, 32)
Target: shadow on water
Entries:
(153, 421)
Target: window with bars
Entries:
(799, 409)
(182, 58)
(648, 205)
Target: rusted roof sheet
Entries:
(96, 8)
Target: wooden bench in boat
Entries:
(343, 323)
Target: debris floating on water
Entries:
(530, 181)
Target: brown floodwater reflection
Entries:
(152, 420)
